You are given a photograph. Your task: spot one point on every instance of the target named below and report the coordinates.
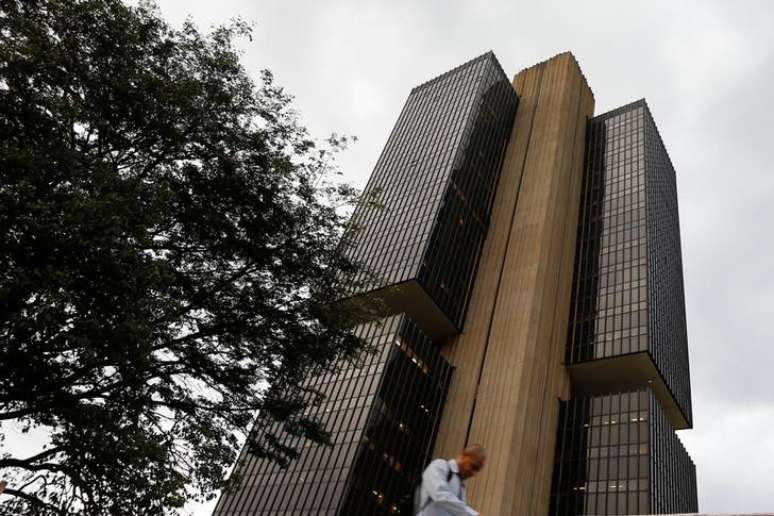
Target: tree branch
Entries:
(34, 500)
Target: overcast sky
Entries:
(706, 70)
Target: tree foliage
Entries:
(168, 239)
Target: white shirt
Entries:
(442, 497)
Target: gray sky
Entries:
(706, 69)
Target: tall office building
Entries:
(617, 453)
(509, 214)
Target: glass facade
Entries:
(617, 454)
(382, 414)
(672, 472)
(434, 184)
(611, 282)
(401, 426)
(666, 318)
(628, 289)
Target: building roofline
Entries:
(628, 107)
(486, 55)
(623, 109)
(574, 60)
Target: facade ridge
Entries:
(573, 59)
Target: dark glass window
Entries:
(382, 414)
(617, 454)
(628, 287)
(434, 184)
(609, 315)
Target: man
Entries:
(443, 487)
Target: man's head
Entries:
(471, 460)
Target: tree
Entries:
(169, 236)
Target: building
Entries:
(618, 452)
(527, 278)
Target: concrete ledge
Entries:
(409, 297)
(625, 372)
